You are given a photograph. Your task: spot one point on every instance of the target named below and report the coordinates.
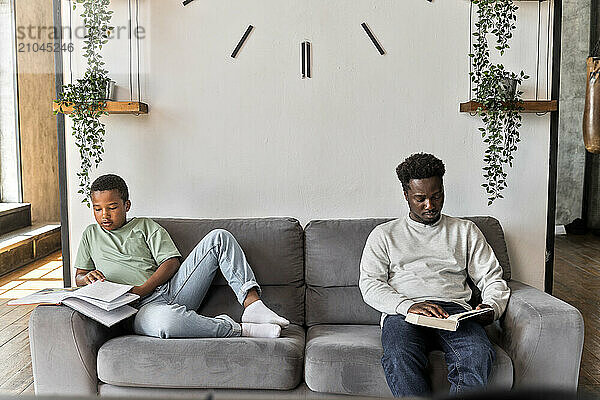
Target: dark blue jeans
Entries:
(469, 354)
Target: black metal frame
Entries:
(62, 158)
(552, 173)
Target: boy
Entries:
(140, 252)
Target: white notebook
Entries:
(104, 301)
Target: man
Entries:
(420, 264)
(141, 253)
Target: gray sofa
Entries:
(333, 343)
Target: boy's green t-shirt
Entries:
(128, 255)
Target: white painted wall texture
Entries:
(247, 137)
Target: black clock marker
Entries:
(241, 42)
(186, 2)
(308, 60)
(303, 47)
(375, 42)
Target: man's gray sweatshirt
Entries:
(405, 262)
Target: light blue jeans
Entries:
(170, 311)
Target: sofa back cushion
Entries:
(492, 230)
(333, 249)
(274, 248)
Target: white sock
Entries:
(258, 313)
(260, 330)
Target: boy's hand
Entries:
(93, 276)
(487, 318)
(142, 290)
(428, 309)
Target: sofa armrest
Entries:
(64, 347)
(544, 338)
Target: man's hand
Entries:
(486, 318)
(428, 309)
(93, 276)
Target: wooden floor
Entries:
(15, 359)
(576, 281)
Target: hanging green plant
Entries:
(494, 88)
(88, 95)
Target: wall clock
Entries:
(305, 46)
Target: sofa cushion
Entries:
(333, 249)
(128, 392)
(288, 301)
(346, 359)
(338, 305)
(228, 363)
(492, 230)
(275, 250)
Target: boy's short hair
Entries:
(419, 166)
(111, 182)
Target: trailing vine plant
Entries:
(87, 96)
(499, 106)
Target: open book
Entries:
(103, 301)
(448, 324)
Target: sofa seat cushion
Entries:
(346, 359)
(229, 363)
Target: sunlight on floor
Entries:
(46, 273)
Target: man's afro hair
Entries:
(419, 166)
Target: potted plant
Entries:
(494, 88)
(87, 96)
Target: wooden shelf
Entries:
(529, 106)
(116, 107)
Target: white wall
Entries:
(247, 137)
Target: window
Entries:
(10, 175)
